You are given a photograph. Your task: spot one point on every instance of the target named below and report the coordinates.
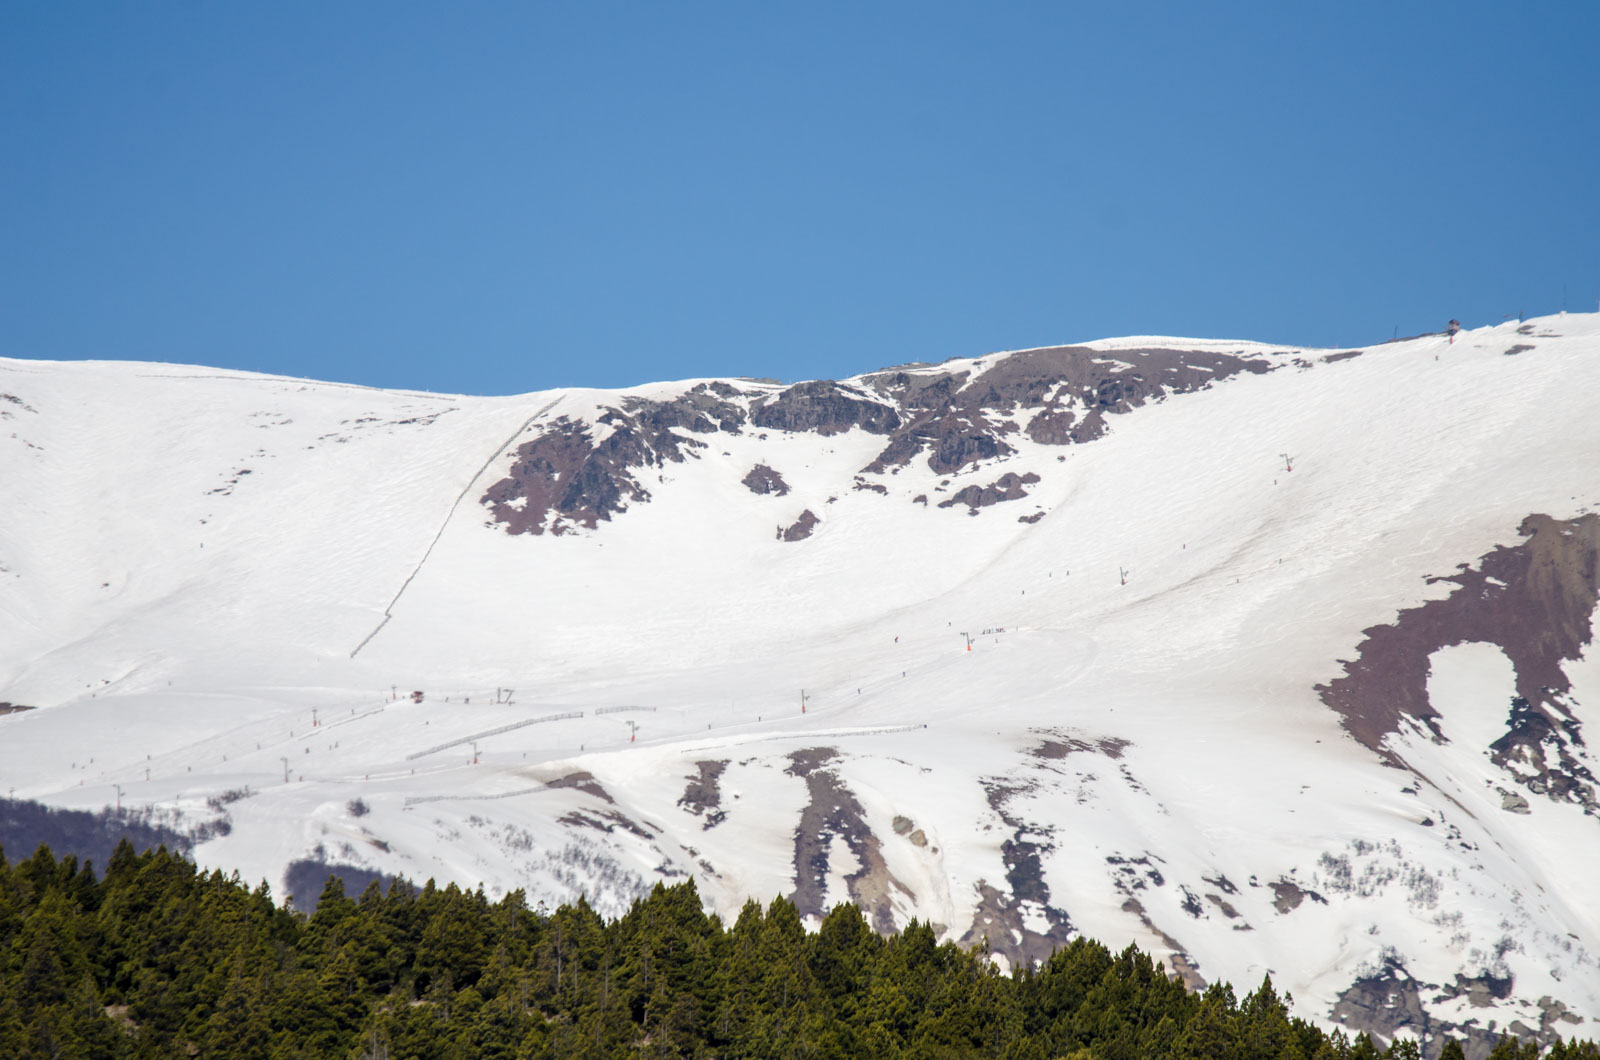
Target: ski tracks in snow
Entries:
(388, 612)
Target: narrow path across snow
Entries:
(388, 612)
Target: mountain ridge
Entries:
(914, 704)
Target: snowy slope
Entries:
(193, 561)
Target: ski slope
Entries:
(211, 581)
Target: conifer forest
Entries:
(154, 958)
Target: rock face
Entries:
(826, 408)
(1533, 601)
(578, 474)
(575, 476)
(801, 528)
(1065, 392)
(763, 480)
(1007, 488)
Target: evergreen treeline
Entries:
(158, 959)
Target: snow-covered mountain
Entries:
(1268, 659)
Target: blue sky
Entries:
(496, 198)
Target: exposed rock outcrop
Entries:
(826, 408)
(801, 528)
(1389, 1000)
(765, 481)
(574, 476)
(1007, 488)
(577, 474)
(960, 419)
(1535, 602)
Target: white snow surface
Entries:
(189, 557)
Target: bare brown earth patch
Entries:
(1343, 356)
(1000, 917)
(12, 708)
(584, 782)
(833, 811)
(1287, 896)
(607, 820)
(604, 821)
(1534, 601)
(764, 480)
(801, 528)
(1007, 487)
(1187, 967)
(1520, 347)
(1060, 745)
(703, 794)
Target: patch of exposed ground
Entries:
(1287, 896)
(604, 821)
(1060, 745)
(227, 488)
(703, 793)
(905, 826)
(1520, 347)
(584, 782)
(1389, 1001)
(833, 811)
(1001, 917)
(801, 528)
(12, 708)
(1187, 967)
(1535, 602)
(1007, 488)
(574, 476)
(764, 480)
(1343, 356)
(959, 418)
(826, 408)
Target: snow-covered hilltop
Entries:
(1269, 659)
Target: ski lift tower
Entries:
(285, 762)
(803, 699)
(119, 795)
(633, 731)
(970, 638)
(1288, 461)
